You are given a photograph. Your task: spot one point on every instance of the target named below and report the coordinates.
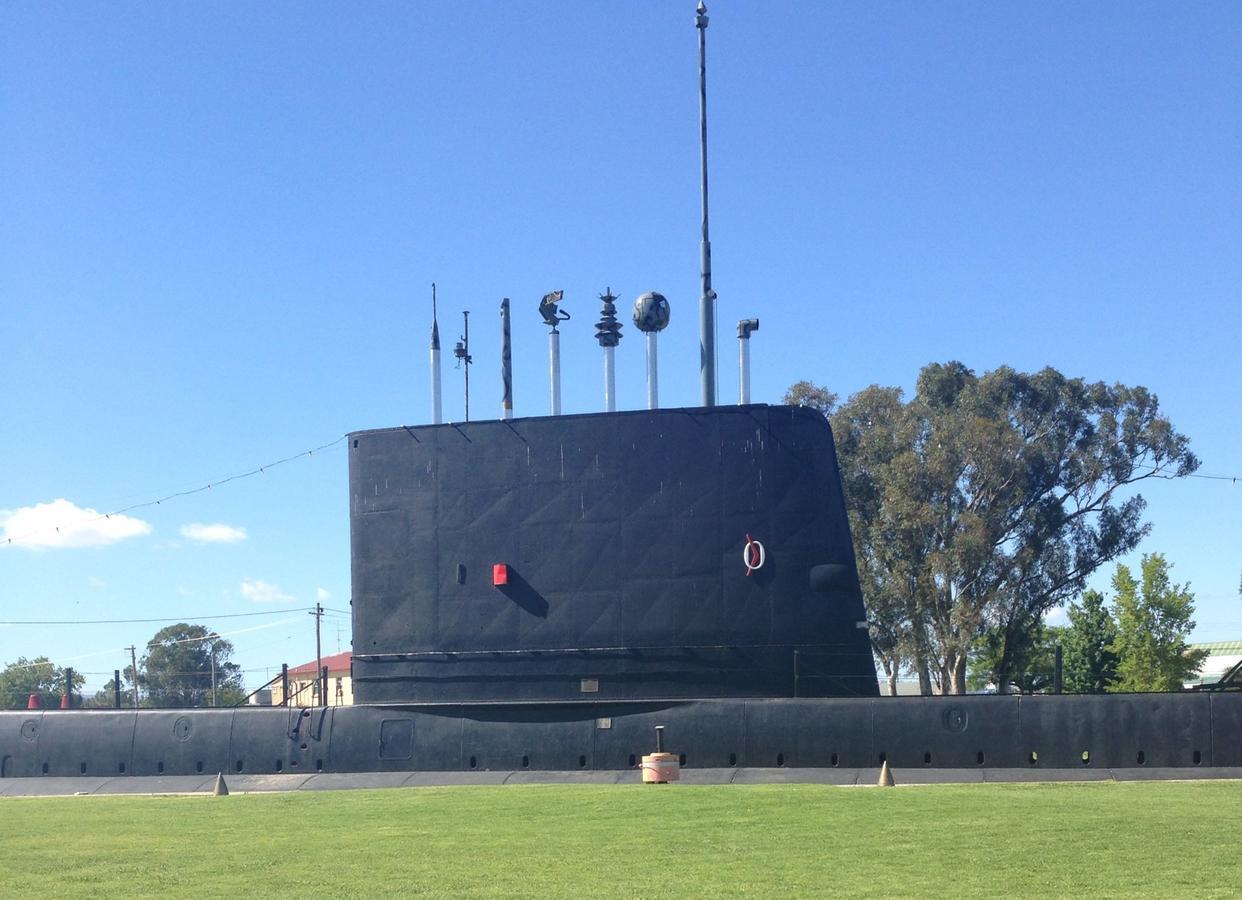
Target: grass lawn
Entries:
(1154, 839)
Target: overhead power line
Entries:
(275, 612)
(212, 636)
(1173, 476)
(186, 493)
(217, 635)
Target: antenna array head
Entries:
(548, 309)
(608, 329)
(651, 312)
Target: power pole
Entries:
(319, 676)
(133, 658)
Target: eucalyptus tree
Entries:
(182, 665)
(23, 677)
(984, 501)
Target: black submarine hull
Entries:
(1048, 733)
(540, 594)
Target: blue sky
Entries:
(219, 225)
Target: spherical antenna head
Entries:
(651, 312)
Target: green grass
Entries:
(1101, 839)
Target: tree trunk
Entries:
(890, 674)
(957, 674)
(925, 682)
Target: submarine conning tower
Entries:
(635, 556)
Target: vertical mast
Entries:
(707, 303)
(552, 317)
(554, 371)
(465, 338)
(610, 379)
(651, 315)
(506, 363)
(462, 353)
(608, 333)
(745, 328)
(437, 413)
(653, 372)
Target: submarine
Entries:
(541, 593)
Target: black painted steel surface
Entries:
(656, 554)
(1127, 731)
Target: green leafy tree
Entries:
(1090, 660)
(177, 668)
(39, 676)
(1153, 622)
(889, 522)
(105, 698)
(1031, 673)
(804, 393)
(987, 500)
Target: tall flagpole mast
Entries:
(707, 303)
(506, 363)
(436, 409)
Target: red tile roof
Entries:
(337, 663)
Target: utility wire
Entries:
(1171, 474)
(274, 612)
(215, 634)
(186, 493)
(267, 669)
(209, 637)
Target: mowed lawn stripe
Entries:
(1102, 839)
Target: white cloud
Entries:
(216, 533)
(97, 583)
(257, 591)
(323, 595)
(64, 524)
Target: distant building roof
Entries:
(1222, 656)
(336, 663)
(1219, 648)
